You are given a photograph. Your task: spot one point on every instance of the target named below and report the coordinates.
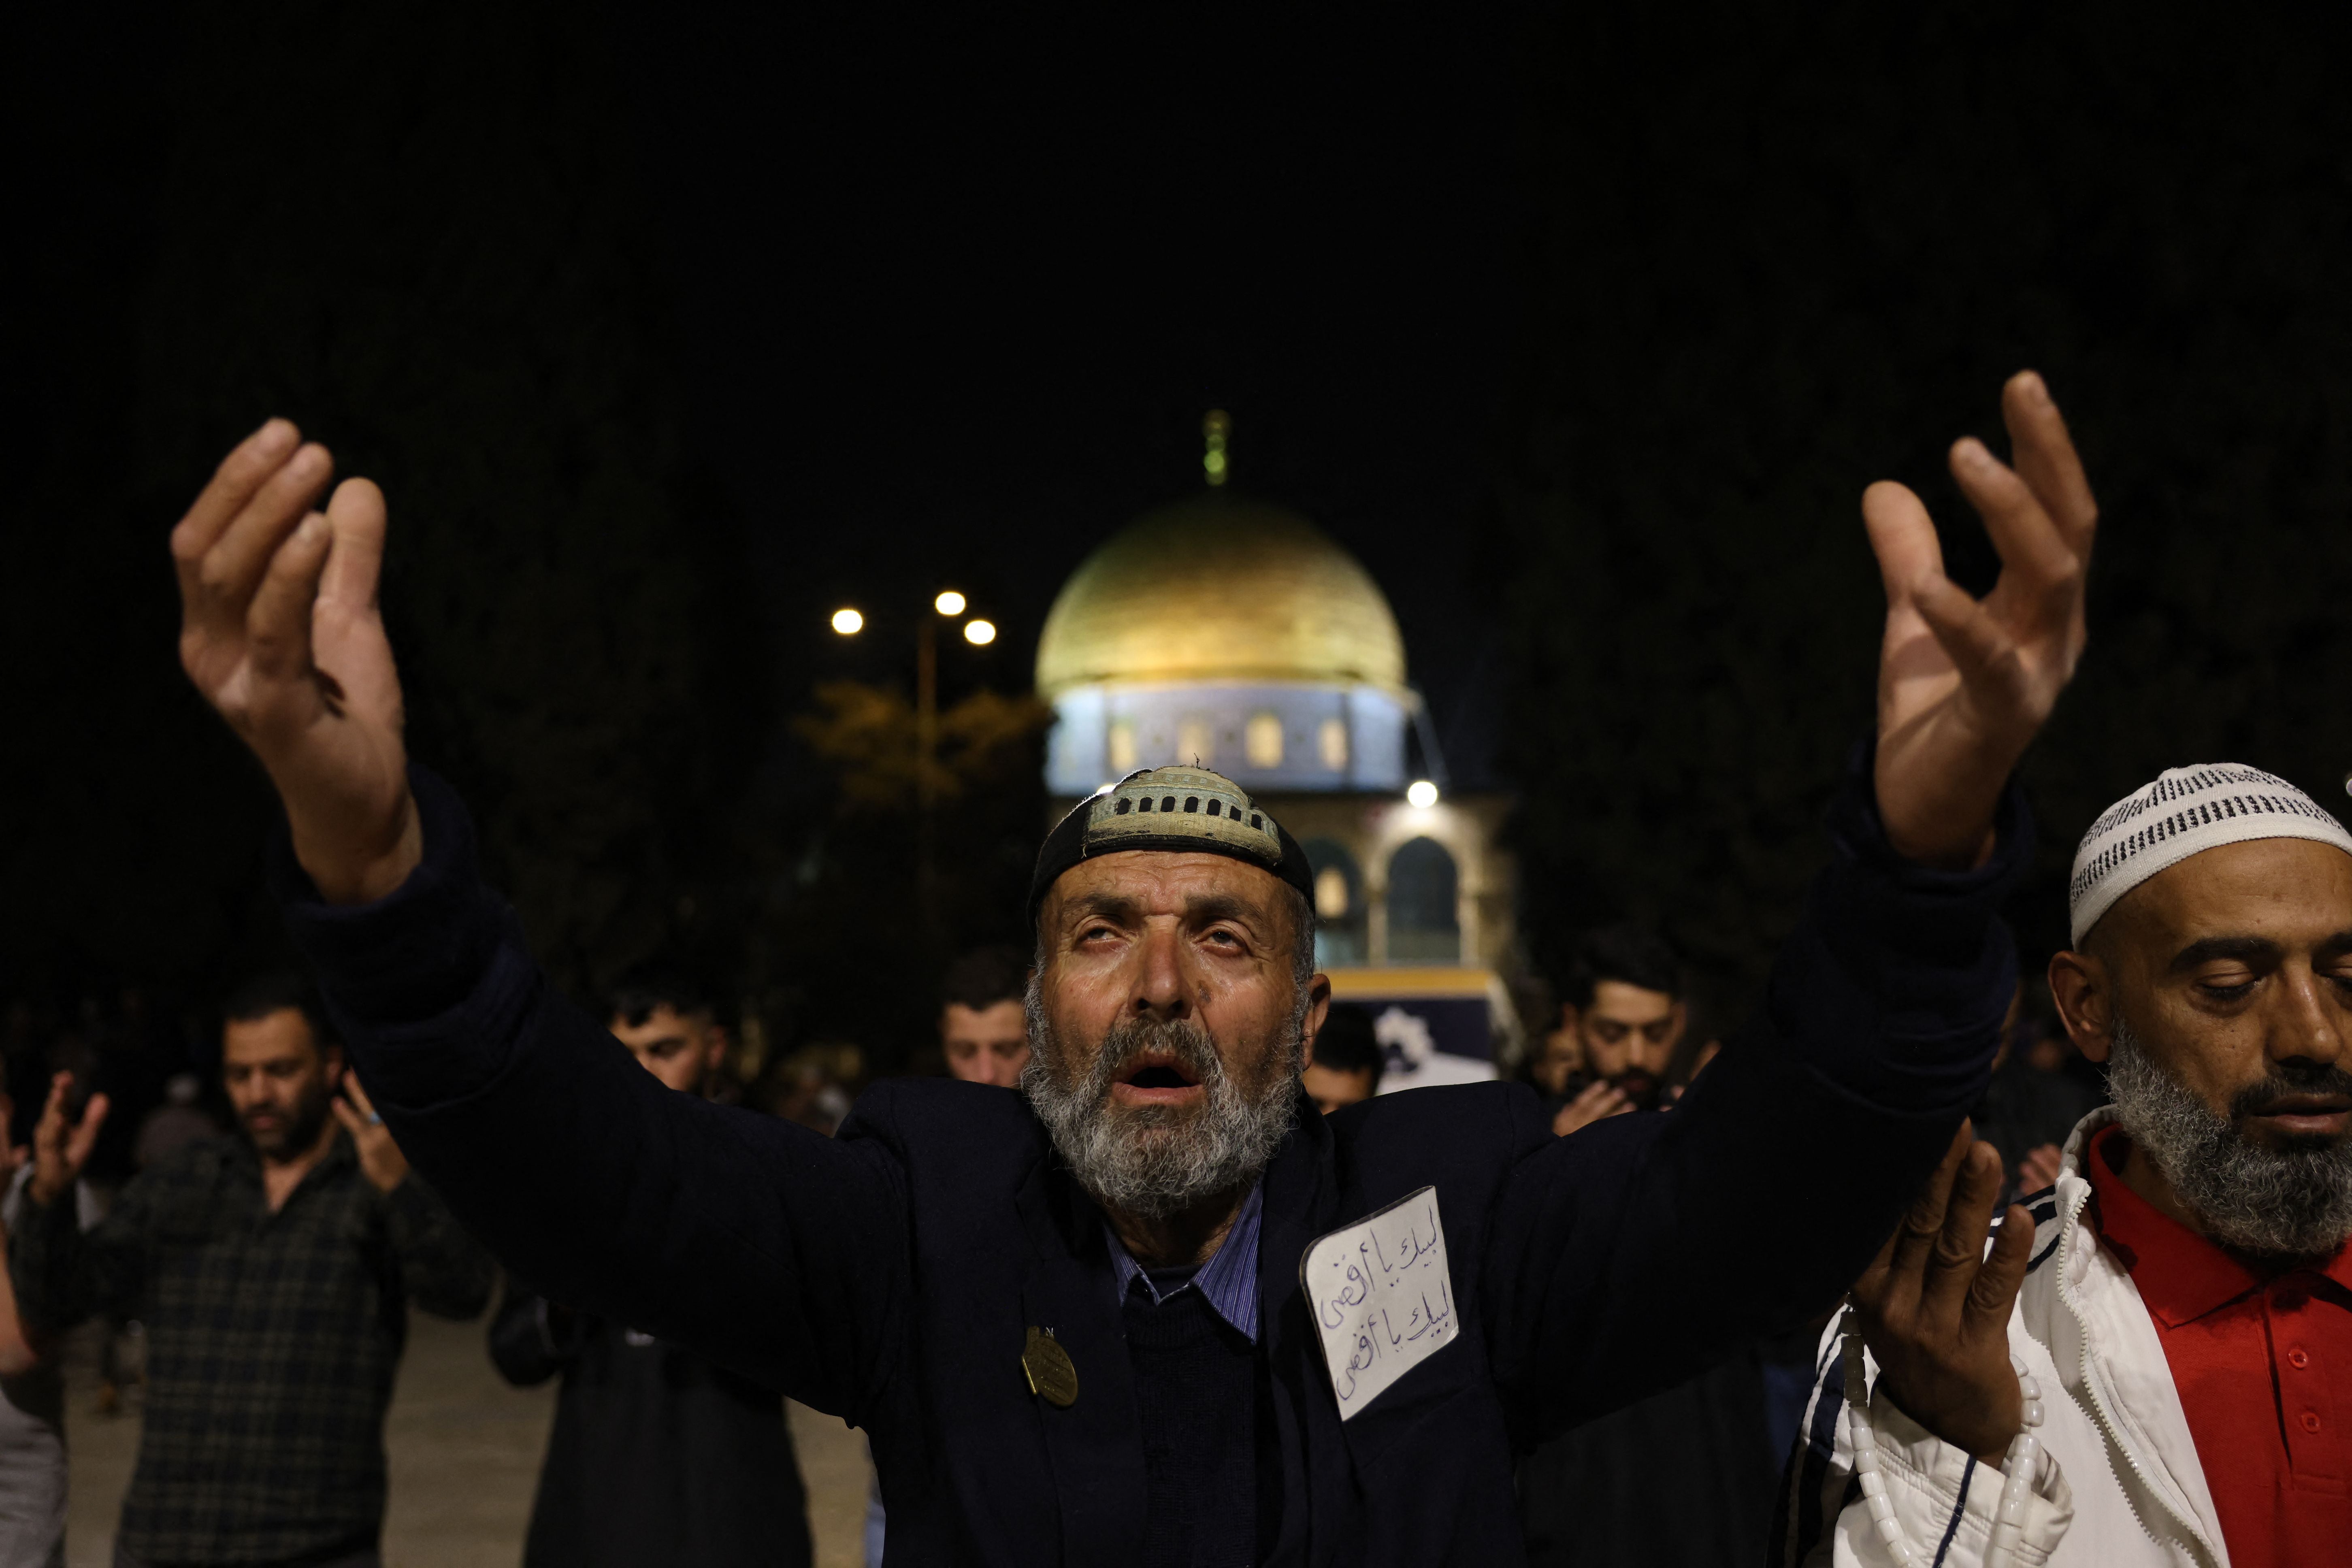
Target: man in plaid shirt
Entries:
(272, 1269)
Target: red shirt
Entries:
(2263, 1364)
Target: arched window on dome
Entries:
(1262, 739)
(1424, 923)
(1339, 904)
(1332, 743)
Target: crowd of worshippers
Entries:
(1108, 1290)
(264, 1273)
(656, 1454)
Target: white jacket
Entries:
(2126, 1487)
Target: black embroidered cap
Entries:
(1178, 809)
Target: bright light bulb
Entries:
(848, 623)
(980, 633)
(950, 602)
(1421, 792)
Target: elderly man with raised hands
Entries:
(1151, 1308)
(2154, 1360)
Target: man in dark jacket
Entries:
(1148, 1312)
(657, 1456)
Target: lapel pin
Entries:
(1052, 1376)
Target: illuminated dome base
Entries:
(1297, 736)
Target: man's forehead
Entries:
(962, 1013)
(1624, 999)
(271, 1035)
(2291, 890)
(662, 1020)
(1162, 879)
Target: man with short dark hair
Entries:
(1344, 1062)
(983, 1022)
(273, 1270)
(1146, 1312)
(657, 1455)
(1622, 1000)
(670, 1026)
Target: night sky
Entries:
(671, 328)
(953, 293)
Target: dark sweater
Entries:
(1195, 1390)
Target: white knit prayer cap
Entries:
(2201, 807)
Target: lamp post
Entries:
(947, 605)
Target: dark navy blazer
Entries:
(889, 1276)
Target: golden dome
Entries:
(1220, 588)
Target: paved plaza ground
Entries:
(464, 1457)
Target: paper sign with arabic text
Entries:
(1381, 1296)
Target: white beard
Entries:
(2294, 1203)
(1152, 1161)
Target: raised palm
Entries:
(1964, 684)
(280, 631)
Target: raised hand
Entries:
(2040, 1168)
(380, 1157)
(1599, 1101)
(61, 1145)
(279, 630)
(1963, 684)
(1935, 1305)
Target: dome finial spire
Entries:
(1214, 427)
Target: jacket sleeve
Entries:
(769, 1248)
(1945, 1501)
(532, 1339)
(444, 1270)
(1635, 1254)
(63, 1273)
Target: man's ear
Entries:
(1318, 1008)
(714, 1051)
(2085, 1001)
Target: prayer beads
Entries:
(2017, 1468)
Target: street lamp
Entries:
(949, 604)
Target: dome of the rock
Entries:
(1220, 588)
(1228, 634)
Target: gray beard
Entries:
(1154, 1160)
(2292, 1204)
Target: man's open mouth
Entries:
(1155, 1077)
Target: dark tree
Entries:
(854, 936)
(417, 230)
(1775, 256)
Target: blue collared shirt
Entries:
(1229, 1279)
